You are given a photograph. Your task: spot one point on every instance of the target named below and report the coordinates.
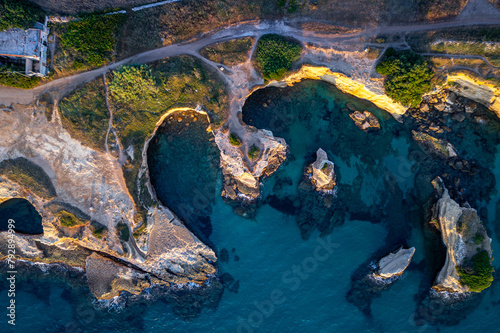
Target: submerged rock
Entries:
(437, 146)
(395, 263)
(322, 172)
(464, 237)
(365, 120)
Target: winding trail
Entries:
(9, 95)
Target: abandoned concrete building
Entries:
(26, 47)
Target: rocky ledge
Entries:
(365, 121)
(467, 245)
(394, 264)
(322, 173)
(246, 158)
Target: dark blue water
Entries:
(289, 278)
(21, 211)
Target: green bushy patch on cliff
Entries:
(85, 116)
(477, 273)
(408, 76)
(229, 53)
(133, 85)
(87, 43)
(19, 14)
(275, 55)
(68, 219)
(29, 176)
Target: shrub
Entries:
(133, 84)
(275, 55)
(68, 219)
(253, 153)
(229, 53)
(478, 239)
(19, 14)
(10, 76)
(123, 231)
(408, 76)
(98, 231)
(234, 140)
(92, 39)
(477, 274)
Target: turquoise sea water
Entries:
(289, 278)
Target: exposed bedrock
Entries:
(394, 264)
(465, 239)
(322, 172)
(245, 159)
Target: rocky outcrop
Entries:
(439, 147)
(460, 229)
(242, 175)
(322, 173)
(394, 264)
(365, 121)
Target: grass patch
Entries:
(88, 43)
(28, 175)
(477, 273)
(98, 231)
(234, 140)
(253, 153)
(408, 76)
(229, 53)
(10, 76)
(85, 116)
(68, 219)
(275, 55)
(19, 14)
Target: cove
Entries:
(27, 220)
(383, 178)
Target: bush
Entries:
(253, 153)
(68, 219)
(19, 14)
(275, 55)
(234, 140)
(229, 53)
(477, 274)
(10, 76)
(133, 84)
(478, 239)
(408, 76)
(91, 40)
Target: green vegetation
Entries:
(229, 53)
(253, 153)
(133, 85)
(291, 5)
(140, 230)
(85, 116)
(68, 219)
(408, 76)
(29, 176)
(275, 55)
(477, 274)
(324, 167)
(172, 82)
(19, 14)
(98, 231)
(87, 43)
(234, 140)
(478, 238)
(123, 231)
(13, 76)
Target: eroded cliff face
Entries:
(242, 173)
(92, 183)
(458, 226)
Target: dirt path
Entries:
(9, 95)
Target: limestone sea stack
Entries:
(468, 256)
(322, 173)
(365, 120)
(394, 264)
(246, 157)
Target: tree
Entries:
(408, 76)
(275, 55)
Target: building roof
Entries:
(21, 43)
